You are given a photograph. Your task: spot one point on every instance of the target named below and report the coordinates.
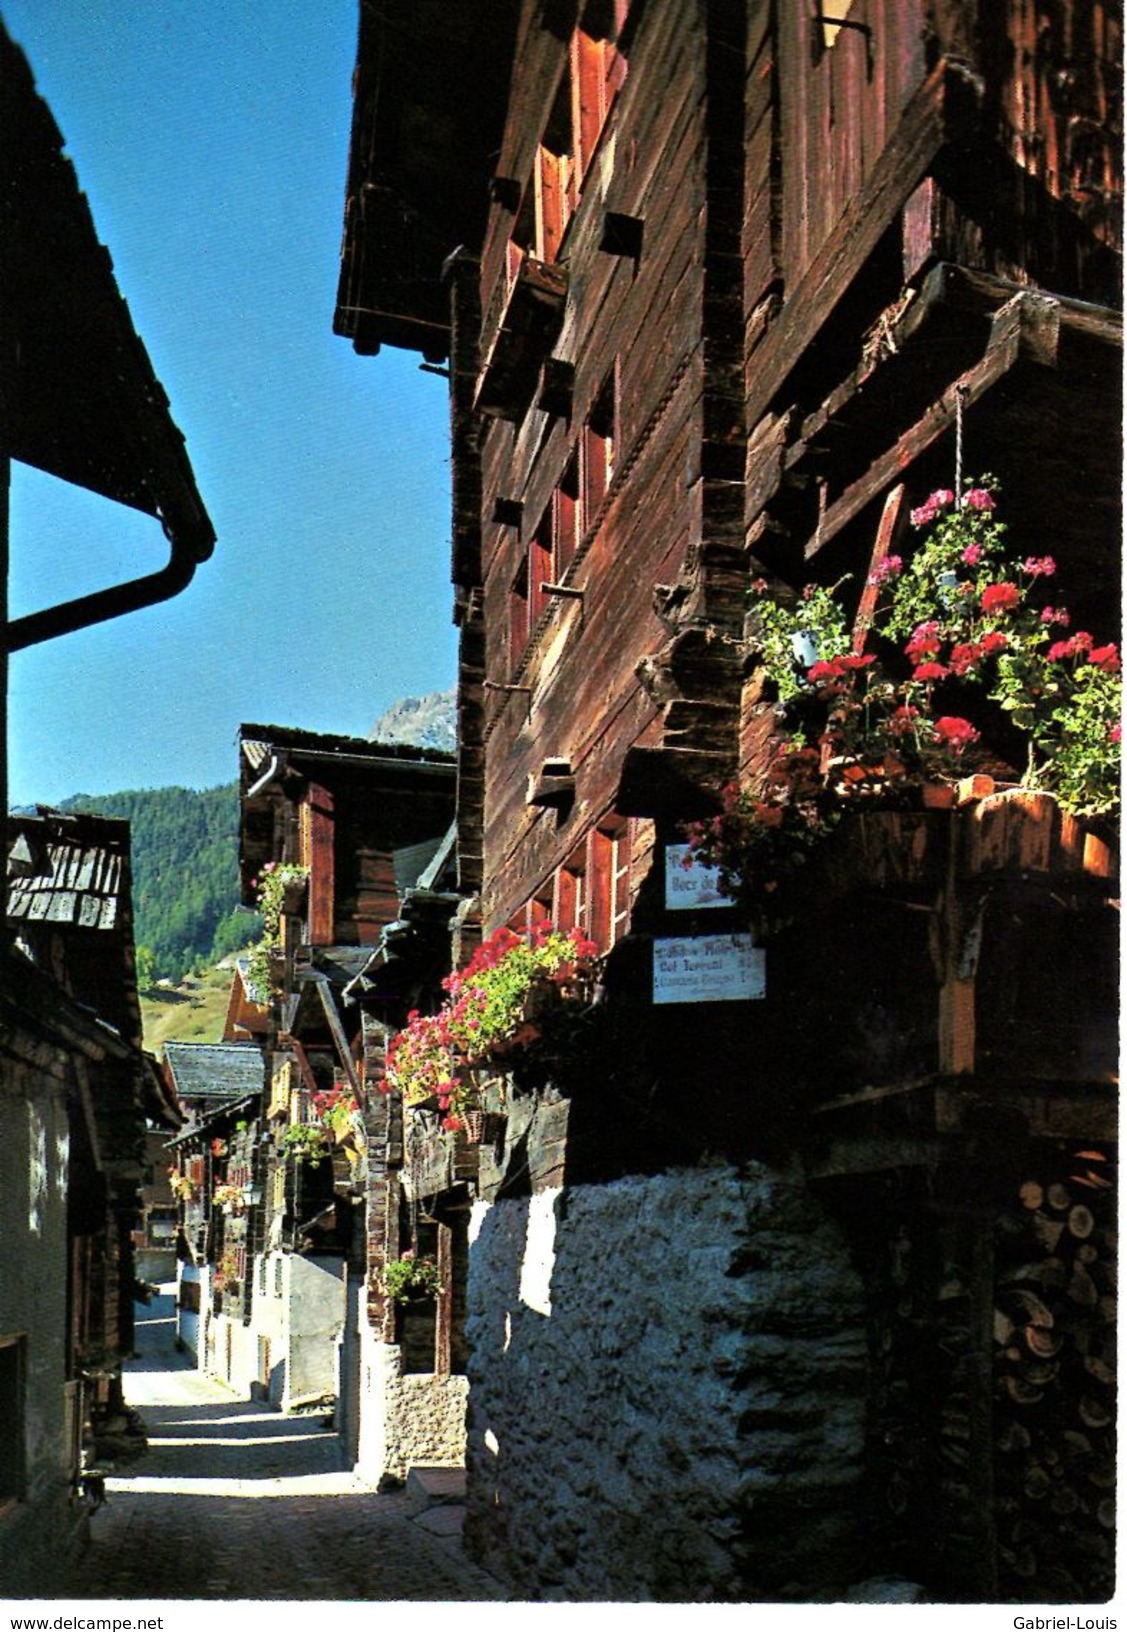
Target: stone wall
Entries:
(667, 1383)
(407, 1420)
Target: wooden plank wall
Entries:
(838, 112)
(1048, 208)
(643, 320)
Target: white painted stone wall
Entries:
(189, 1321)
(407, 1420)
(36, 1532)
(667, 1385)
(315, 1293)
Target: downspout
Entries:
(189, 549)
(266, 778)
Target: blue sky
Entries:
(212, 141)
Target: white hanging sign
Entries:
(689, 884)
(708, 969)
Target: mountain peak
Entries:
(428, 722)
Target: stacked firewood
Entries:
(1054, 1346)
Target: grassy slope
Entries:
(192, 1012)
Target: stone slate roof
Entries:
(67, 870)
(215, 1071)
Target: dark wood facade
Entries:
(339, 806)
(745, 269)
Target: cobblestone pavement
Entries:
(234, 1501)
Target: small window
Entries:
(566, 516)
(571, 893)
(540, 553)
(598, 70)
(609, 874)
(518, 615)
(598, 451)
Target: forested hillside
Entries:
(185, 875)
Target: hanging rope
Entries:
(822, 486)
(961, 394)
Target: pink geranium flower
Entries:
(978, 499)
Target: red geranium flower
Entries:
(1105, 657)
(825, 670)
(1000, 597)
(964, 657)
(930, 671)
(954, 731)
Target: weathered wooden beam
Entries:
(1025, 328)
(891, 517)
(673, 782)
(340, 1041)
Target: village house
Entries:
(791, 1268)
(334, 833)
(215, 1085)
(72, 1049)
(81, 403)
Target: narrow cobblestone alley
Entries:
(234, 1501)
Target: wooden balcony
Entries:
(521, 338)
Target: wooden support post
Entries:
(890, 521)
(444, 1258)
(318, 824)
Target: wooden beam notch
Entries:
(508, 512)
(553, 784)
(557, 388)
(622, 235)
(507, 192)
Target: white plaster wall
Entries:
(315, 1304)
(268, 1320)
(235, 1354)
(34, 1155)
(187, 1320)
(667, 1390)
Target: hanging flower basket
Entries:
(963, 622)
(294, 892)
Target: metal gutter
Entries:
(188, 551)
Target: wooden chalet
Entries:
(90, 1100)
(216, 1086)
(730, 288)
(356, 822)
(248, 1009)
